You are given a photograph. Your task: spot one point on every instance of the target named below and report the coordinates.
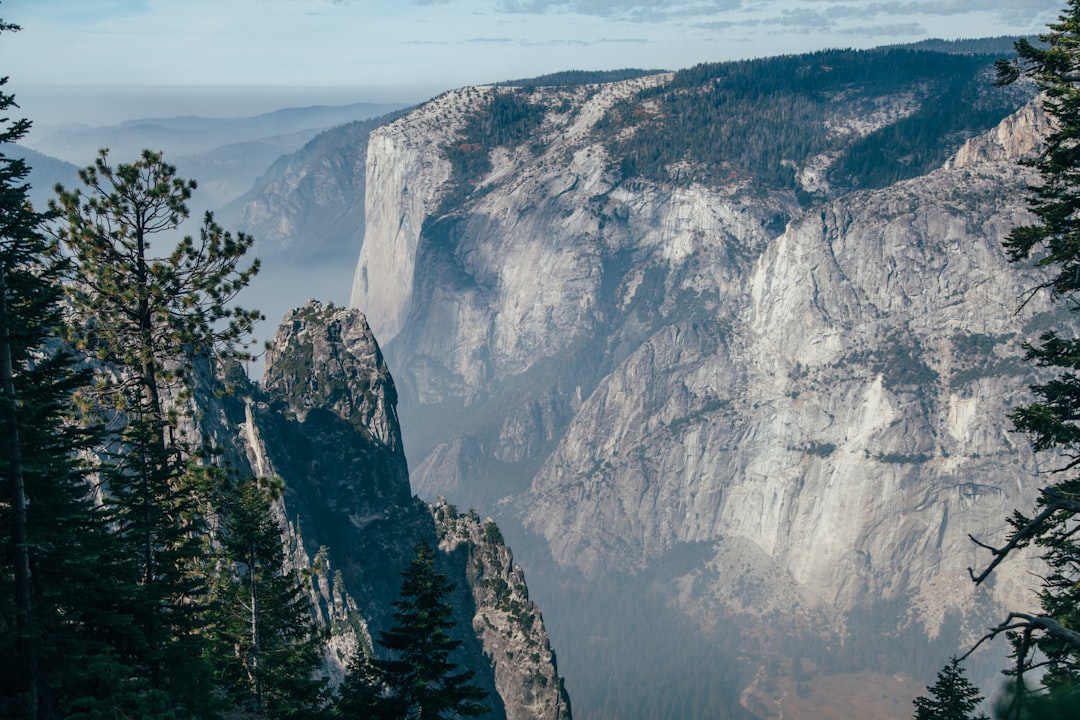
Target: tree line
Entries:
(760, 121)
(140, 575)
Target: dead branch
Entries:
(1023, 534)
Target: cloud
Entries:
(817, 14)
(897, 30)
(628, 10)
(518, 42)
(886, 17)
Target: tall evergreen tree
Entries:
(21, 247)
(265, 644)
(1048, 638)
(418, 679)
(146, 316)
(952, 697)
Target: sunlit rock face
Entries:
(655, 364)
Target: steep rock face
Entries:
(327, 357)
(325, 422)
(510, 625)
(402, 195)
(848, 423)
(813, 392)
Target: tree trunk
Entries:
(14, 471)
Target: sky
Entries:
(98, 61)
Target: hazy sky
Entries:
(410, 49)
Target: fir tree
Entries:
(418, 679)
(64, 626)
(266, 646)
(952, 697)
(362, 694)
(21, 248)
(1047, 638)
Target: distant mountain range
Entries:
(190, 135)
(225, 155)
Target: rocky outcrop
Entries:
(509, 625)
(326, 357)
(324, 421)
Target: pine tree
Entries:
(146, 317)
(418, 679)
(266, 647)
(952, 697)
(21, 247)
(1048, 638)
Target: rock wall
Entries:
(628, 367)
(508, 623)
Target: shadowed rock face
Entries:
(325, 422)
(815, 390)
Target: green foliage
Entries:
(419, 678)
(506, 120)
(1058, 705)
(975, 359)
(141, 310)
(147, 316)
(572, 78)
(1055, 240)
(820, 449)
(492, 534)
(264, 645)
(759, 120)
(64, 620)
(362, 695)
(903, 459)
(899, 360)
(952, 697)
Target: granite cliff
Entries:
(797, 389)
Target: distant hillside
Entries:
(312, 199)
(1002, 45)
(45, 173)
(189, 135)
(761, 120)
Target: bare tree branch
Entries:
(1023, 534)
